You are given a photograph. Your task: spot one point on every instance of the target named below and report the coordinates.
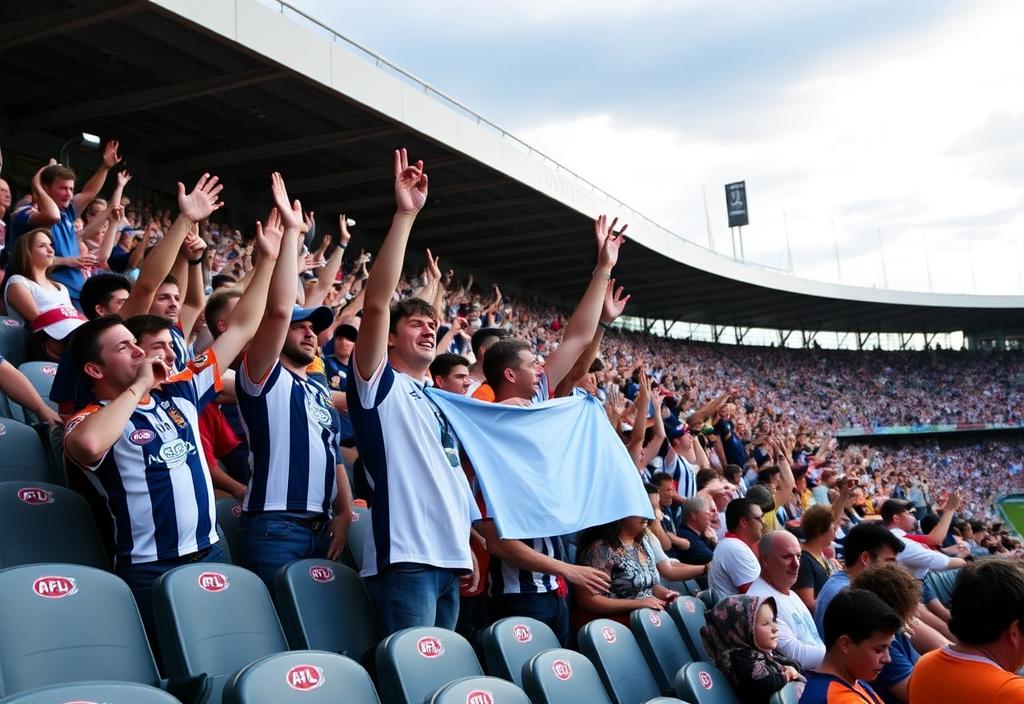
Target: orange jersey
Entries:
(948, 677)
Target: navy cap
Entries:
(321, 317)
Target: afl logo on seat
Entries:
(522, 633)
(429, 647)
(608, 633)
(705, 680)
(655, 619)
(212, 582)
(562, 670)
(479, 696)
(305, 677)
(35, 496)
(53, 587)
(321, 573)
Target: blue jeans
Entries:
(546, 607)
(140, 579)
(408, 594)
(272, 539)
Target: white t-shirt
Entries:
(734, 564)
(422, 501)
(798, 636)
(917, 558)
(45, 298)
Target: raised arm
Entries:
(195, 294)
(614, 304)
(135, 259)
(111, 217)
(579, 331)
(92, 187)
(245, 318)
(411, 195)
(283, 223)
(196, 206)
(636, 435)
(46, 212)
(326, 276)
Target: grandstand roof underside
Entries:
(240, 89)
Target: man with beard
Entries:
(292, 431)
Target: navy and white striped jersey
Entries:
(422, 504)
(684, 475)
(293, 440)
(183, 352)
(154, 478)
(506, 578)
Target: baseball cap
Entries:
(347, 331)
(677, 431)
(893, 507)
(321, 317)
(58, 322)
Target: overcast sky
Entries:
(865, 126)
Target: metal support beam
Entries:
(667, 326)
(44, 26)
(842, 340)
(273, 150)
(145, 99)
(716, 332)
(648, 324)
(929, 339)
(741, 332)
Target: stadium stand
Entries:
(46, 523)
(613, 650)
(562, 677)
(510, 642)
(702, 683)
(662, 645)
(479, 690)
(414, 663)
(92, 691)
(22, 456)
(301, 676)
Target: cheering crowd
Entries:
(195, 362)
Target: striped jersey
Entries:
(506, 578)
(183, 352)
(293, 440)
(155, 479)
(421, 506)
(684, 476)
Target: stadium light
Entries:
(83, 140)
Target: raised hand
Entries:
(123, 177)
(268, 238)
(614, 303)
(308, 223)
(608, 240)
(290, 212)
(152, 371)
(343, 229)
(203, 200)
(110, 156)
(433, 271)
(410, 184)
(115, 214)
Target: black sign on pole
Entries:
(736, 203)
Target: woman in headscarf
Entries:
(740, 638)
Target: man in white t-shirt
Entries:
(734, 566)
(780, 564)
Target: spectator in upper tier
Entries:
(780, 565)
(40, 302)
(450, 372)
(734, 566)
(988, 602)
(859, 627)
(741, 637)
(902, 593)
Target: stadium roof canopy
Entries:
(242, 87)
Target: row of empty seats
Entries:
(222, 640)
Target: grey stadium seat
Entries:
(703, 683)
(41, 375)
(69, 623)
(688, 613)
(510, 642)
(109, 692)
(213, 618)
(323, 605)
(301, 676)
(229, 512)
(662, 645)
(414, 663)
(563, 677)
(42, 522)
(356, 539)
(618, 660)
(479, 690)
(22, 455)
(13, 336)
(787, 695)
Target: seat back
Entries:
(13, 336)
(301, 676)
(323, 605)
(40, 375)
(355, 542)
(618, 660)
(562, 677)
(46, 523)
(67, 623)
(22, 455)
(414, 663)
(108, 692)
(688, 613)
(662, 645)
(479, 690)
(790, 694)
(229, 514)
(213, 618)
(509, 643)
(703, 683)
